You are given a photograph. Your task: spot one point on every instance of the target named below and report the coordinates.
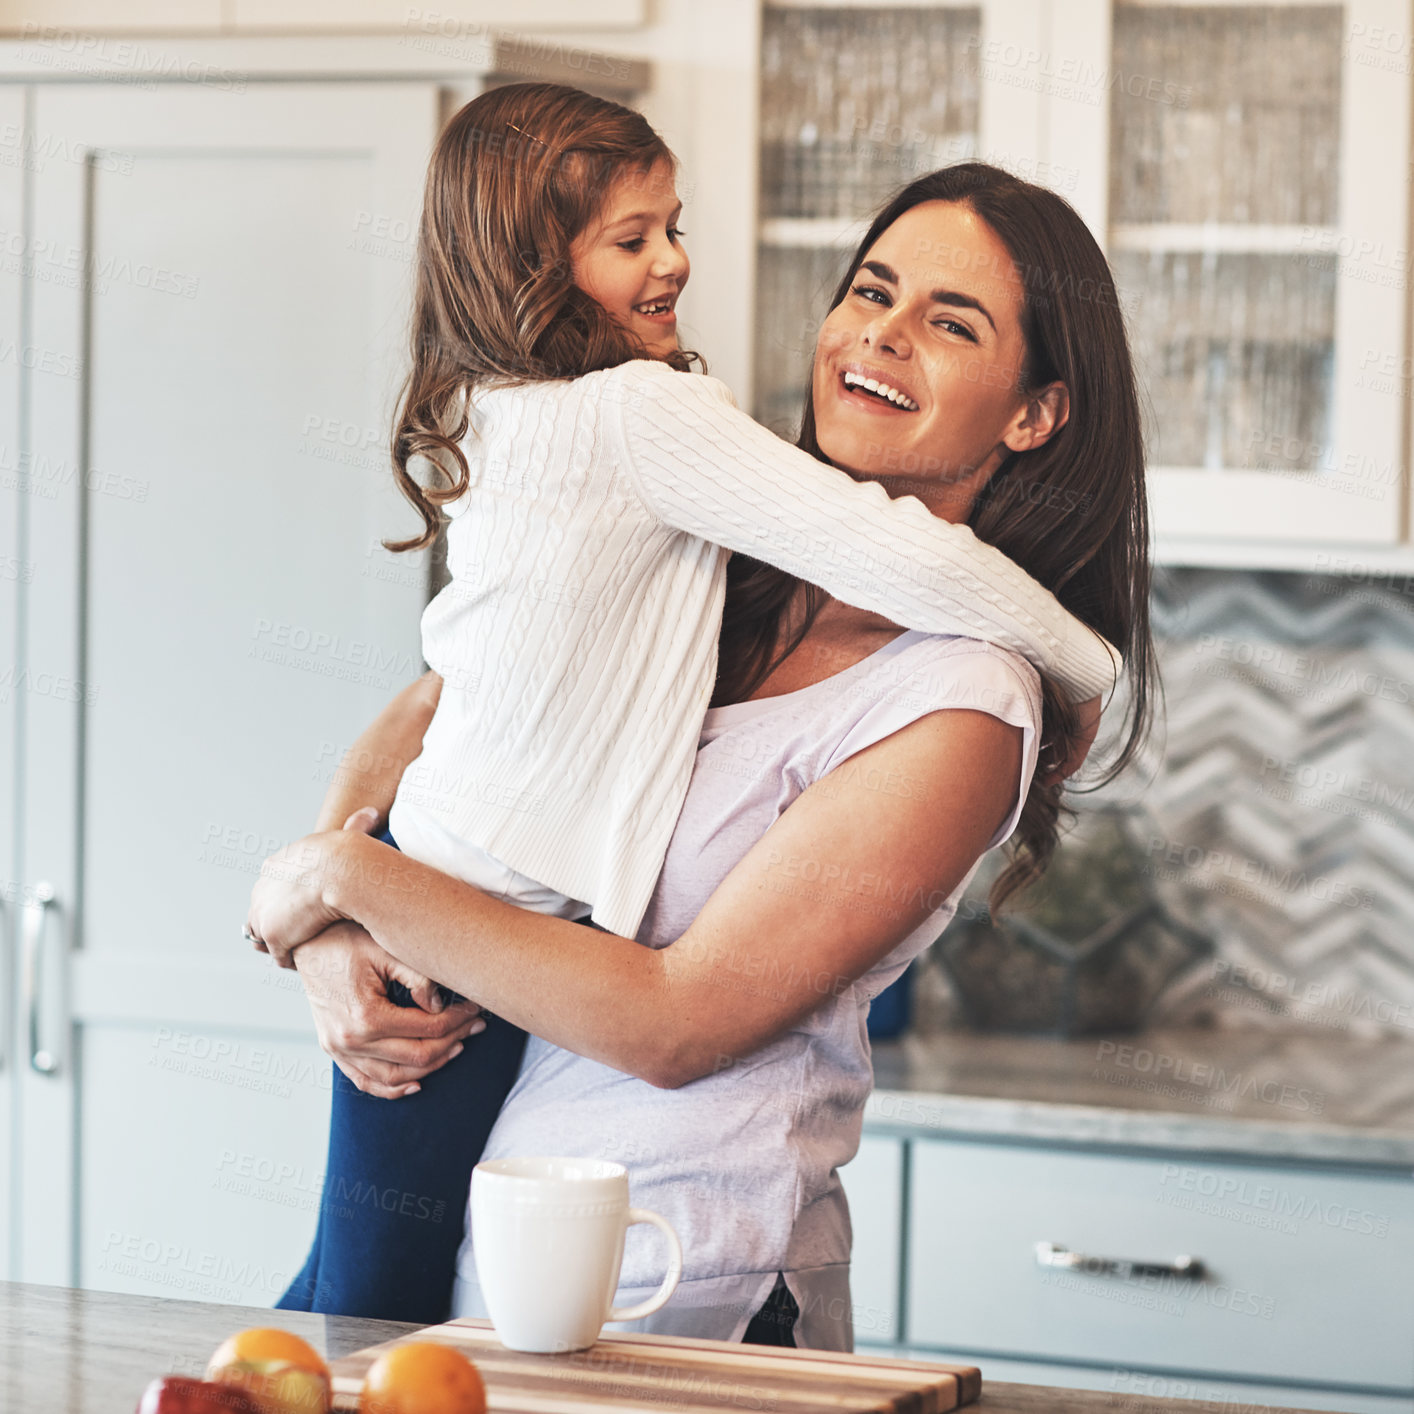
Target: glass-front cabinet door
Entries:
(1258, 209)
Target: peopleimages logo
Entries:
(1181, 1181)
(177, 1264)
(1331, 675)
(80, 52)
(1314, 1002)
(1200, 1075)
(1218, 869)
(1071, 76)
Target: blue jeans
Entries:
(393, 1211)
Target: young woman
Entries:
(847, 781)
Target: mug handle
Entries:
(670, 1282)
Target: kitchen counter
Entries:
(1303, 1097)
(90, 1352)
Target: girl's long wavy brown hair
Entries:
(515, 177)
(1072, 513)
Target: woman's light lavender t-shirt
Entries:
(744, 1162)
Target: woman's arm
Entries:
(833, 886)
(702, 465)
(374, 764)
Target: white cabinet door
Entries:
(873, 1184)
(16, 574)
(228, 268)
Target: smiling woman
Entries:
(754, 885)
(948, 345)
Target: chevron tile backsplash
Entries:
(1276, 810)
(1281, 809)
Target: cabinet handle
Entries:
(6, 1003)
(45, 1062)
(1048, 1254)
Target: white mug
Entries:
(549, 1240)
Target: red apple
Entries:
(178, 1394)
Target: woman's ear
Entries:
(1045, 413)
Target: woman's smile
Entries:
(875, 390)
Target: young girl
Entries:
(594, 490)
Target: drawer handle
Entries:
(43, 1061)
(1183, 1268)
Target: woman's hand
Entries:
(288, 904)
(384, 1049)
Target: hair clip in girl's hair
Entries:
(531, 136)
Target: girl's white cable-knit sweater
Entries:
(577, 639)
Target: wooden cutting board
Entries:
(651, 1372)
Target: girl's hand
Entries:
(383, 1049)
(1088, 719)
(288, 905)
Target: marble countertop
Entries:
(93, 1352)
(1295, 1096)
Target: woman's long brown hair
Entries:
(514, 178)
(1072, 513)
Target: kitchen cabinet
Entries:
(16, 572)
(874, 1186)
(210, 336)
(1242, 165)
(1323, 1251)
(1263, 259)
(450, 20)
(183, 16)
(1300, 1299)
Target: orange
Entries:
(284, 1374)
(269, 1343)
(422, 1377)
